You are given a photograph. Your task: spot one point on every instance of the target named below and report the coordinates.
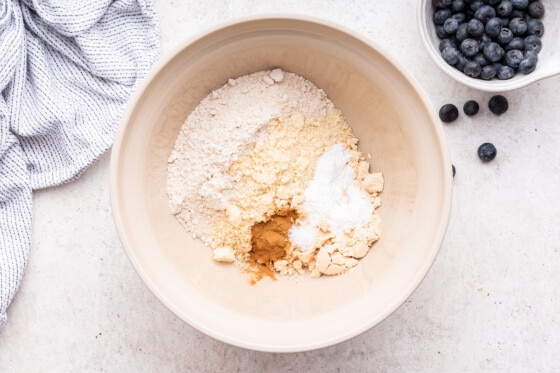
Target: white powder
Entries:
(332, 197)
(221, 129)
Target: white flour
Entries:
(223, 127)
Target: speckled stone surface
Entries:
(489, 303)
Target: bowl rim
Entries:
(275, 347)
(423, 25)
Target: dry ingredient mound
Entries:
(252, 162)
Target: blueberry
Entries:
(527, 65)
(505, 8)
(493, 27)
(460, 65)
(458, 6)
(488, 72)
(453, 170)
(505, 36)
(475, 5)
(469, 47)
(505, 73)
(498, 104)
(470, 107)
(447, 42)
(448, 113)
(536, 9)
(514, 58)
(441, 32)
(515, 43)
(518, 26)
(475, 27)
(484, 13)
(535, 27)
(460, 17)
(531, 55)
(441, 15)
(481, 60)
(462, 32)
(520, 4)
(450, 26)
(441, 3)
(532, 43)
(487, 152)
(450, 55)
(483, 40)
(493, 52)
(472, 69)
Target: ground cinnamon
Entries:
(269, 239)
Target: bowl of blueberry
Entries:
(492, 45)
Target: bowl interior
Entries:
(394, 123)
(549, 57)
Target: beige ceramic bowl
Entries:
(549, 57)
(390, 115)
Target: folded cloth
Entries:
(67, 69)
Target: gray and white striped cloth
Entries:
(67, 69)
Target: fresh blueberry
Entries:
(505, 36)
(450, 26)
(493, 52)
(535, 27)
(514, 58)
(469, 47)
(493, 27)
(472, 69)
(498, 104)
(441, 3)
(505, 73)
(447, 42)
(450, 55)
(484, 13)
(487, 152)
(515, 43)
(448, 113)
(483, 40)
(460, 17)
(520, 4)
(462, 32)
(481, 60)
(536, 9)
(518, 26)
(441, 15)
(441, 32)
(470, 107)
(475, 27)
(475, 5)
(533, 43)
(505, 8)
(488, 72)
(458, 6)
(527, 65)
(531, 55)
(462, 60)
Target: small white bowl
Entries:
(549, 57)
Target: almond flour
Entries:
(255, 150)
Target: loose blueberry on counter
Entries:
(448, 113)
(487, 152)
(453, 169)
(498, 104)
(471, 107)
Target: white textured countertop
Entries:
(490, 301)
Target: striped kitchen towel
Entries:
(67, 69)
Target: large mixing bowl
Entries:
(390, 115)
